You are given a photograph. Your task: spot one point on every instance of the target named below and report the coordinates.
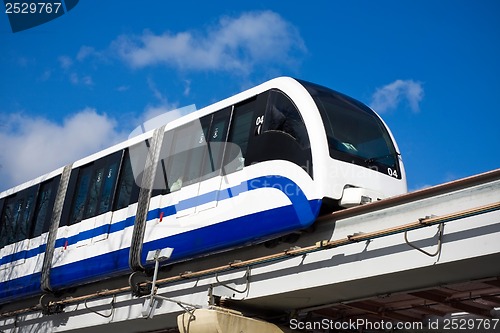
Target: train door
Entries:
(127, 190)
(42, 216)
(24, 223)
(95, 190)
(246, 124)
(281, 135)
(214, 136)
(190, 162)
(92, 189)
(182, 165)
(103, 192)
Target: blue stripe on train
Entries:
(224, 235)
(25, 254)
(20, 288)
(242, 230)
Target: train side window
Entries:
(82, 188)
(193, 151)
(160, 185)
(8, 221)
(16, 216)
(43, 210)
(95, 188)
(93, 195)
(23, 224)
(127, 190)
(2, 201)
(138, 154)
(216, 140)
(183, 162)
(107, 188)
(239, 135)
(204, 154)
(198, 151)
(282, 115)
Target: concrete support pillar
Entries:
(222, 321)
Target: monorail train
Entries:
(253, 167)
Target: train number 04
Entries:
(259, 120)
(392, 173)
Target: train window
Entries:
(43, 210)
(239, 135)
(356, 132)
(184, 161)
(282, 115)
(16, 216)
(160, 185)
(2, 200)
(82, 186)
(197, 153)
(101, 186)
(193, 152)
(204, 154)
(110, 175)
(93, 197)
(127, 189)
(216, 139)
(138, 154)
(178, 160)
(9, 222)
(93, 194)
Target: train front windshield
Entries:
(355, 133)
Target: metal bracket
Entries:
(247, 278)
(152, 301)
(440, 242)
(49, 305)
(139, 284)
(112, 304)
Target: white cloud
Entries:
(65, 62)
(157, 115)
(34, 146)
(86, 80)
(156, 92)
(74, 79)
(187, 87)
(390, 96)
(122, 88)
(153, 110)
(72, 66)
(45, 75)
(232, 44)
(85, 52)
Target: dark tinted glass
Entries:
(16, 216)
(45, 203)
(282, 115)
(355, 133)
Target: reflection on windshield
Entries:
(355, 133)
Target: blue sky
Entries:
(82, 82)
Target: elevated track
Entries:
(422, 256)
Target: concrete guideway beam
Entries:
(353, 257)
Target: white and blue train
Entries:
(256, 166)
